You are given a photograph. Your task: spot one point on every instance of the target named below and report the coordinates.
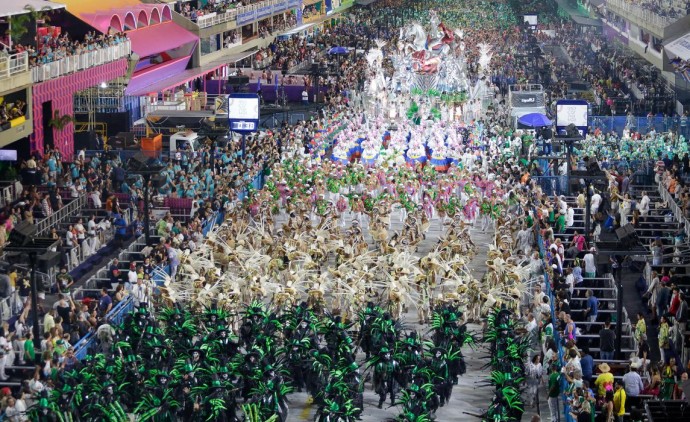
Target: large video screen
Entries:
(8, 155)
(530, 19)
(567, 114)
(243, 108)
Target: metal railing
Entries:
(83, 61)
(116, 316)
(216, 18)
(82, 251)
(231, 14)
(673, 205)
(13, 64)
(72, 208)
(646, 16)
(10, 193)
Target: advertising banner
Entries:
(246, 17)
(527, 99)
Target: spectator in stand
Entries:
(663, 298)
(64, 282)
(664, 338)
(55, 47)
(554, 393)
(604, 381)
(534, 374)
(632, 380)
(590, 264)
(682, 313)
(105, 304)
(592, 306)
(115, 273)
(607, 340)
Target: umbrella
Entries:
(338, 50)
(535, 120)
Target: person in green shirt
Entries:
(29, 352)
(528, 219)
(554, 392)
(560, 223)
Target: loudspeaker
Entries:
(48, 260)
(116, 142)
(22, 233)
(138, 162)
(238, 80)
(158, 181)
(546, 133)
(626, 235)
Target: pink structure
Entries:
(61, 92)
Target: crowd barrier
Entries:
(116, 315)
(13, 64)
(556, 336)
(86, 60)
(673, 205)
(72, 208)
(643, 125)
(647, 16)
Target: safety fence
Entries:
(13, 64)
(10, 192)
(85, 60)
(673, 205)
(116, 316)
(648, 17)
(72, 208)
(643, 125)
(556, 337)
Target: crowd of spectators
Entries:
(232, 38)
(212, 6)
(310, 12)
(671, 10)
(613, 74)
(55, 47)
(10, 111)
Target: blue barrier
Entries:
(643, 125)
(556, 336)
(552, 185)
(116, 316)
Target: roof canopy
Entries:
(19, 7)
(679, 47)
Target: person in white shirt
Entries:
(81, 231)
(132, 277)
(5, 348)
(140, 293)
(523, 240)
(595, 202)
(73, 192)
(70, 240)
(570, 281)
(643, 205)
(96, 198)
(570, 217)
(562, 205)
(590, 265)
(16, 410)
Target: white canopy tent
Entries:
(680, 47)
(9, 8)
(19, 7)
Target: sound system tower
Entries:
(626, 236)
(22, 234)
(48, 260)
(238, 80)
(158, 181)
(237, 83)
